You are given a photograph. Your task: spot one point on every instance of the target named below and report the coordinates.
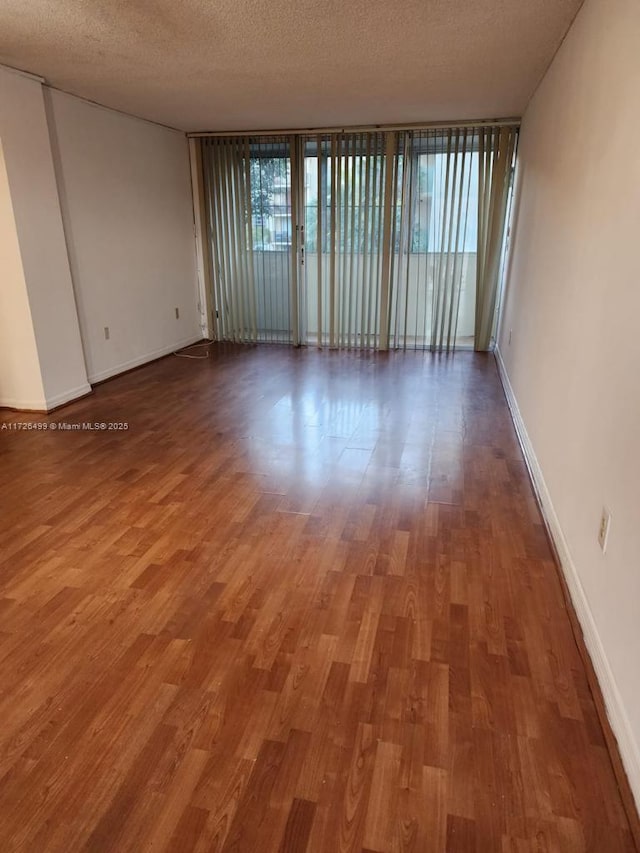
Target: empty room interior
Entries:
(319, 426)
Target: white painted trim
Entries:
(38, 405)
(204, 299)
(360, 128)
(68, 396)
(108, 109)
(22, 73)
(45, 405)
(99, 375)
(620, 725)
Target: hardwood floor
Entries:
(304, 603)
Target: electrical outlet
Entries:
(603, 531)
(177, 313)
(106, 333)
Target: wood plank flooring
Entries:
(304, 603)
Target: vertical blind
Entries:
(345, 238)
(366, 239)
(496, 153)
(252, 289)
(436, 258)
(226, 185)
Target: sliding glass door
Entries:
(358, 240)
(270, 191)
(344, 200)
(248, 189)
(433, 300)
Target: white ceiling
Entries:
(252, 64)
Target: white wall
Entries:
(38, 224)
(20, 377)
(573, 305)
(125, 190)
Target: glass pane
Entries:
(270, 169)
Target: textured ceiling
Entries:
(250, 64)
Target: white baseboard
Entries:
(620, 725)
(39, 405)
(108, 372)
(68, 396)
(45, 404)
